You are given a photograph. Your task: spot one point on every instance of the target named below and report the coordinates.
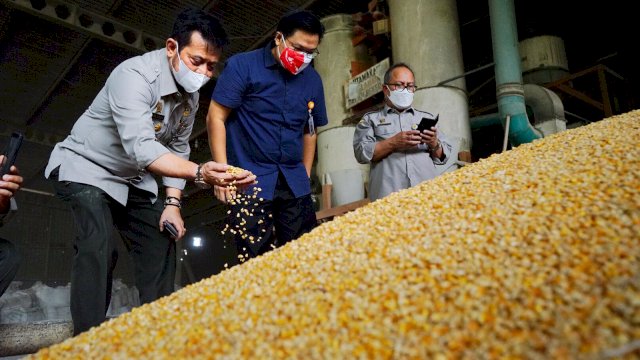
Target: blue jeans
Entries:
(95, 214)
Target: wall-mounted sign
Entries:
(366, 84)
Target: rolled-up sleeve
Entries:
(130, 96)
(364, 141)
(320, 109)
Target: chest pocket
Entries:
(384, 128)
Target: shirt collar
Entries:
(269, 60)
(167, 81)
(388, 109)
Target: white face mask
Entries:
(401, 99)
(190, 80)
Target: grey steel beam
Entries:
(100, 26)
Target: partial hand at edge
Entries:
(9, 185)
(172, 215)
(223, 193)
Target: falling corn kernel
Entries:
(529, 254)
(242, 199)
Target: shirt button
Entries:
(156, 70)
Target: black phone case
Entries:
(427, 124)
(11, 152)
(170, 228)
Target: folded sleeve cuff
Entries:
(148, 152)
(174, 182)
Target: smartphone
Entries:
(427, 124)
(170, 228)
(11, 152)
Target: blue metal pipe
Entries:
(509, 88)
(482, 121)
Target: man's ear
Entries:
(278, 38)
(172, 47)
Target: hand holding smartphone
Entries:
(11, 152)
(170, 229)
(427, 124)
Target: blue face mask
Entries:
(190, 80)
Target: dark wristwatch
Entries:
(199, 181)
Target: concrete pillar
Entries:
(425, 34)
(334, 64)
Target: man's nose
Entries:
(204, 69)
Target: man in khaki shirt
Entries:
(400, 156)
(137, 126)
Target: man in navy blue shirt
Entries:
(263, 114)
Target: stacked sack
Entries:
(19, 306)
(45, 303)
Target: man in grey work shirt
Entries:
(400, 156)
(138, 125)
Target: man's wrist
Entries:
(433, 149)
(199, 180)
(173, 201)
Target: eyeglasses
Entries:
(409, 87)
(312, 53)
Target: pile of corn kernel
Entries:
(533, 253)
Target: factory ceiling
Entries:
(51, 68)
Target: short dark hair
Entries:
(190, 20)
(300, 20)
(387, 74)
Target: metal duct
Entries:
(509, 88)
